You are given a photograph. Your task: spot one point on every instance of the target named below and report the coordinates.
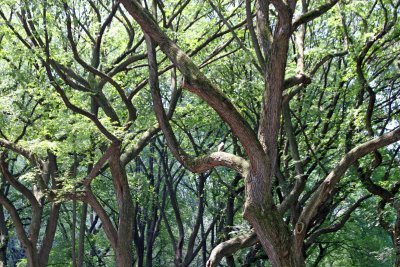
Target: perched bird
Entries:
(221, 146)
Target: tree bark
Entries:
(73, 234)
(32, 256)
(50, 232)
(123, 253)
(396, 236)
(274, 236)
(82, 232)
(3, 238)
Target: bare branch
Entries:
(313, 14)
(17, 185)
(254, 40)
(203, 163)
(338, 225)
(324, 190)
(295, 80)
(241, 44)
(229, 247)
(78, 110)
(19, 227)
(97, 167)
(133, 150)
(29, 155)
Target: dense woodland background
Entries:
(111, 131)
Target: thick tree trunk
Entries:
(32, 256)
(271, 230)
(276, 241)
(47, 242)
(123, 251)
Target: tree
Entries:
(302, 94)
(282, 247)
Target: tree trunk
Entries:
(230, 213)
(124, 244)
(271, 230)
(396, 236)
(81, 241)
(149, 255)
(138, 237)
(32, 256)
(3, 239)
(276, 241)
(139, 259)
(47, 242)
(123, 251)
(73, 234)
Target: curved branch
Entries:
(335, 227)
(17, 185)
(99, 164)
(196, 82)
(373, 188)
(78, 110)
(199, 164)
(296, 79)
(133, 150)
(229, 247)
(289, 94)
(204, 163)
(19, 227)
(26, 153)
(313, 14)
(88, 197)
(324, 190)
(131, 109)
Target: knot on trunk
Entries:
(299, 228)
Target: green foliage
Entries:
(328, 117)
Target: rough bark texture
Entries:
(124, 252)
(229, 247)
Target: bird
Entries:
(221, 146)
